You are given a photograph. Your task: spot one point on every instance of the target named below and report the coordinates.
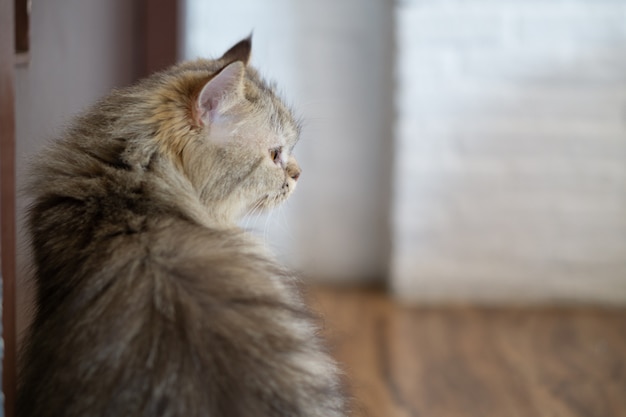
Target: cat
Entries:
(150, 300)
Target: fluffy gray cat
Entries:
(150, 300)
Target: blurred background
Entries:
(454, 151)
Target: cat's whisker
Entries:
(266, 228)
(248, 218)
(285, 225)
(253, 212)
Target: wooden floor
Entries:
(471, 362)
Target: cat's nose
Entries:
(295, 174)
(294, 171)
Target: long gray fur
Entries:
(150, 301)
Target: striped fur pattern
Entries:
(150, 300)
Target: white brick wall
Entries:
(510, 158)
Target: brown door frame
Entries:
(7, 201)
(159, 39)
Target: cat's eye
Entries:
(275, 154)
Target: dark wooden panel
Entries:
(160, 37)
(477, 362)
(7, 200)
(22, 26)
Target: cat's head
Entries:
(237, 147)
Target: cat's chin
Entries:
(269, 202)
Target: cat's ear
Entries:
(220, 92)
(239, 52)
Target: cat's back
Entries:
(169, 318)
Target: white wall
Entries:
(80, 49)
(333, 61)
(510, 176)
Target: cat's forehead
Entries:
(283, 122)
(280, 117)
